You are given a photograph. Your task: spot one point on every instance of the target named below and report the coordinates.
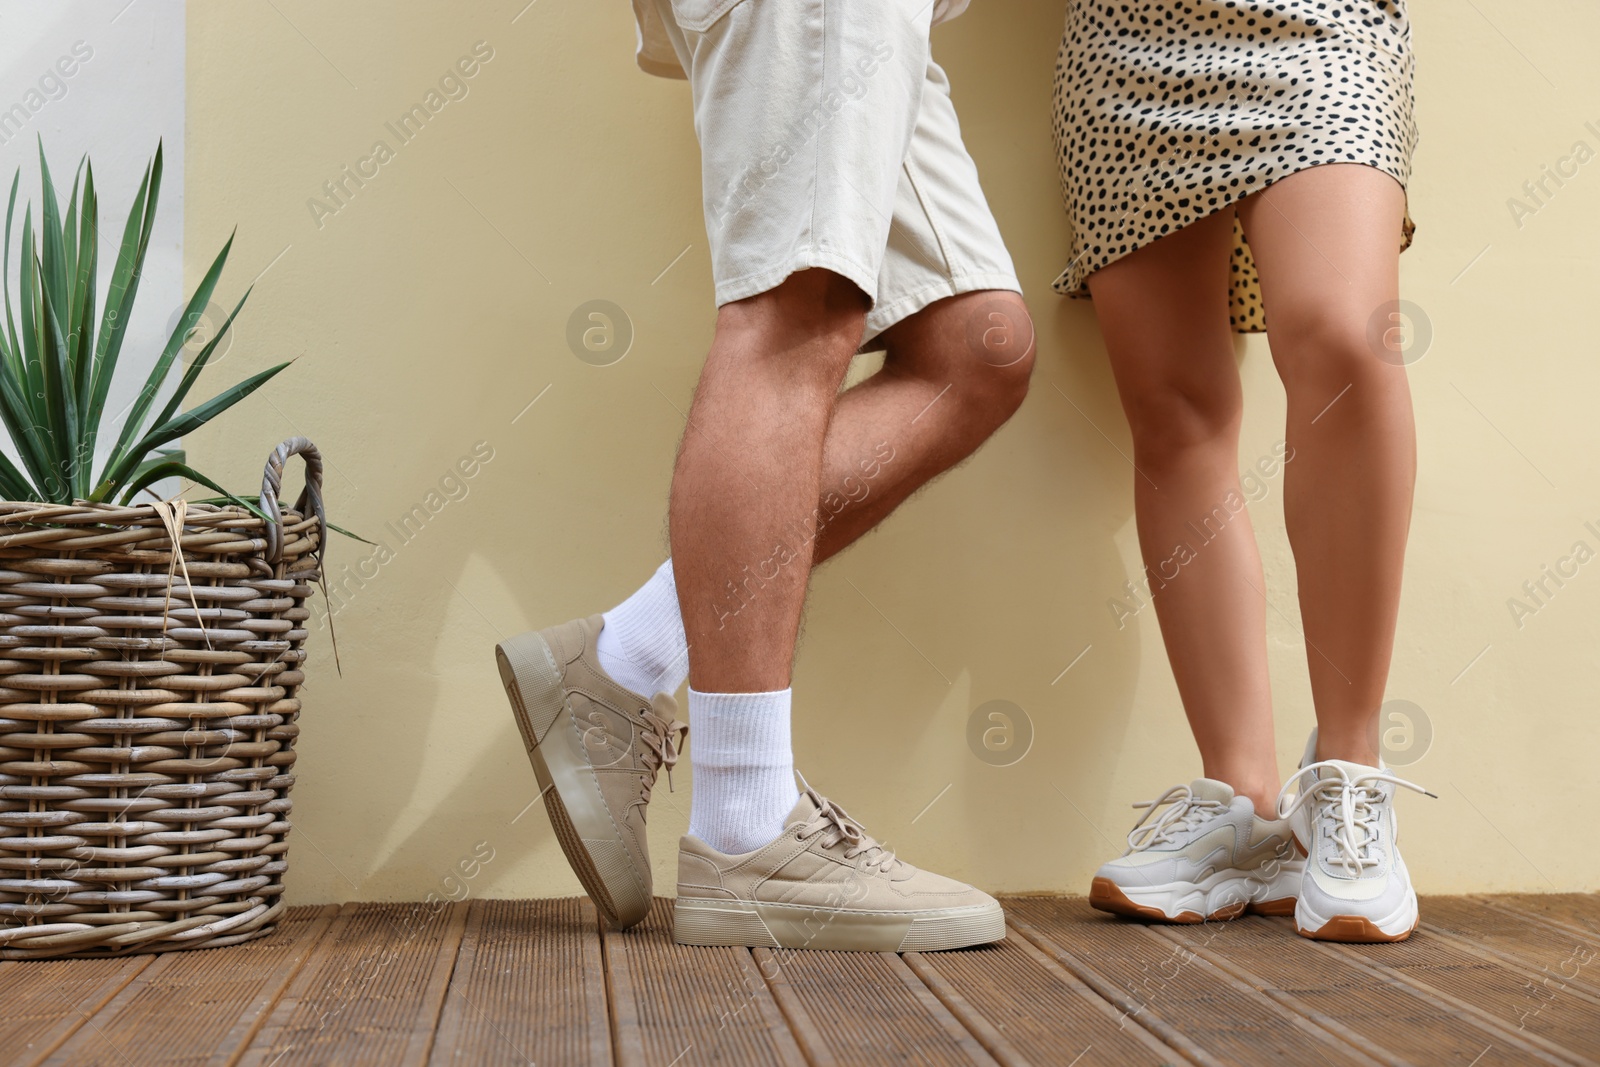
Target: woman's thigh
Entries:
(1326, 242)
(1163, 312)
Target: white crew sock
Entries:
(743, 769)
(642, 645)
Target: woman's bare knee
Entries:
(1169, 420)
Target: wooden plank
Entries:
(1390, 1023)
(868, 1007)
(676, 1005)
(1181, 996)
(46, 1001)
(199, 1006)
(622, 999)
(528, 987)
(1039, 1011)
(1573, 912)
(1548, 951)
(995, 1043)
(1563, 1023)
(370, 995)
(1129, 1011)
(955, 1030)
(807, 1034)
(1496, 981)
(249, 1023)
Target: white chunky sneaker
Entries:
(1207, 856)
(1356, 887)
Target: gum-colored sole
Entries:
(1107, 896)
(1282, 906)
(1353, 930)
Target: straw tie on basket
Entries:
(172, 512)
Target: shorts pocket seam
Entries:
(698, 16)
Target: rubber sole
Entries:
(1352, 930)
(1281, 907)
(584, 827)
(1106, 895)
(1359, 929)
(751, 924)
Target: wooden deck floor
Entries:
(1485, 982)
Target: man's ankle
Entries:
(743, 768)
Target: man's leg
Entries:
(831, 160)
(748, 827)
(765, 487)
(749, 473)
(741, 517)
(937, 398)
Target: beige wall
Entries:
(432, 308)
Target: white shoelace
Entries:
(1355, 802)
(1186, 812)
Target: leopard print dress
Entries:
(1168, 111)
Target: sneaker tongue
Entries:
(803, 809)
(1351, 770)
(1211, 789)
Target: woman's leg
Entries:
(1326, 243)
(1163, 311)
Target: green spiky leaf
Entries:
(60, 348)
(174, 469)
(163, 366)
(176, 427)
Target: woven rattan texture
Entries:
(148, 712)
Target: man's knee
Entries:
(979, 344)
(813, 321)
(999, 334)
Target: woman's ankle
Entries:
(1359, 745)
(1261, 791)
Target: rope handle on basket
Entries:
(310, 497)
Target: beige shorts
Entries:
(828, 139)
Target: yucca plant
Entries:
(57, 362)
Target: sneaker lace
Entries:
(830, 819)
(663, 736)
(1353, 802)
(1185, 812)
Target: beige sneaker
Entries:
(596, 748)
(825, 884)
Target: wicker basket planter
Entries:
(148, 706)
